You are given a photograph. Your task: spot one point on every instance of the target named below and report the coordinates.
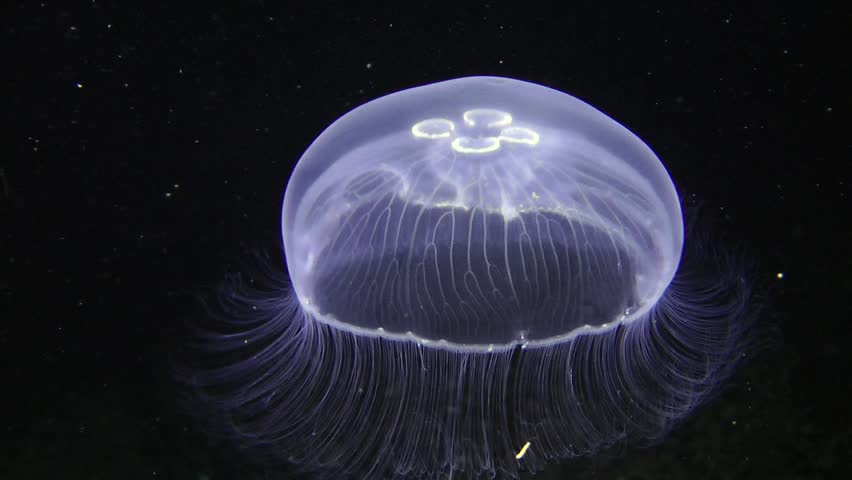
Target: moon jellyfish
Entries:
(484, 275)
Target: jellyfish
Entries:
(484, 275)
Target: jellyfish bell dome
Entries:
(479, 213)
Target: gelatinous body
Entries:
(483, 276)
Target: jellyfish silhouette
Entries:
(485, 275)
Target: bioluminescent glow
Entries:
(485, 275)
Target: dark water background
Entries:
(146, 148)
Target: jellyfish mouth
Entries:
(472, 277)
